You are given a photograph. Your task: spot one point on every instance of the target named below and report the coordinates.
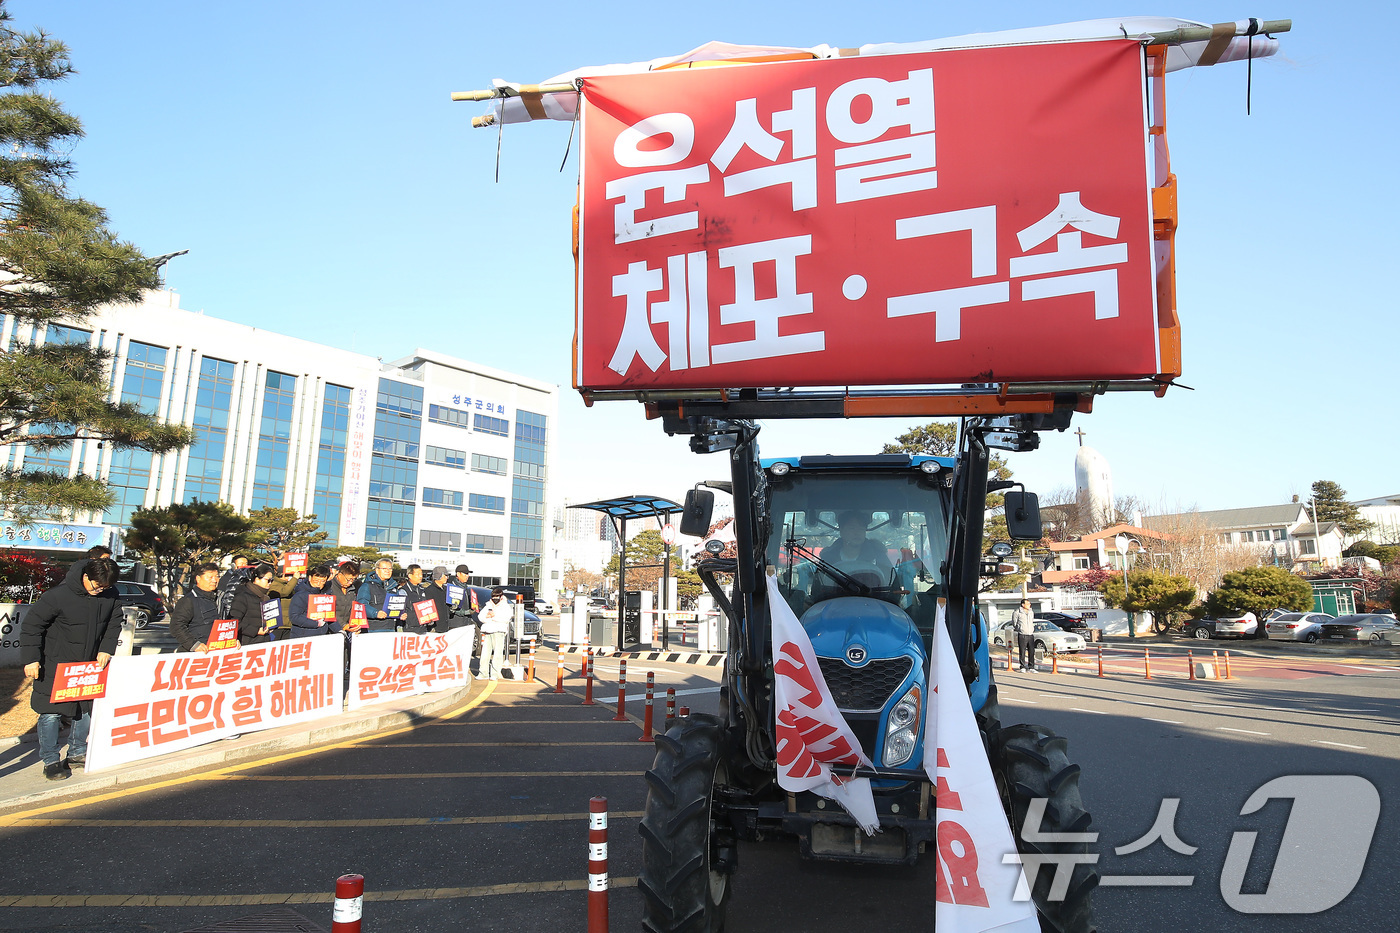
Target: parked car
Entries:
(142, 596)
(1068, 621)
(1297, 626)
(1048, 637)
(1366, 627)
(1244, 626)
(544, 607)
(532, 621)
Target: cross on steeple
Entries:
(1080, 432)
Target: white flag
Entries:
(974, 888)
(812, 733)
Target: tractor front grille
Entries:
(864, 689)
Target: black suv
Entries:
(1067, 621)
(143, 596)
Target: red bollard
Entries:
(683, 712)
(598, 865)
(1190, 666)
(349, 904)
(588, 678)
(670, 705)
(530, 675)
(646, 720)
(1100, 660)
(559, 670)
(1146, 665)
(621, 692)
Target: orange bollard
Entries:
(349, 904)
(559, 670)
(588, 678)
(1146, 664)
(530, 675)
(1008, 657)
(670, 705)
(1190, 667)
(598, 865)
(1100, 660)
(646, 719)
(1227, 665)
(683, 712)
(1054, 660)
(621, 692)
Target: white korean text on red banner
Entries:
(794, 224)
(164, 703)
(385, 665)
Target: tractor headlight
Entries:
(780, 468)
(902, 728)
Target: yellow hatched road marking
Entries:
(632, 744)
(331, 824)
(123, 792)
(409, 777)
(317, 897)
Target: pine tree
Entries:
(59, 262)
(1332, 506)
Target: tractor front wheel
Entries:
(685, 862)
(1030, 764)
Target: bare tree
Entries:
(1193, 548)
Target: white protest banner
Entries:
(974, 890)
(168, 702)
(812, 733)
(384, 665)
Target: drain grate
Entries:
(275, 920)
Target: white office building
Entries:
(432, 458)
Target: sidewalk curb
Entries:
(259, 745)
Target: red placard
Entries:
(794, 224)
(78, 681)
(223, 635)
(294, 562)
(321, 608)
(426, 610)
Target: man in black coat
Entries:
(71, 622)
(193, 617)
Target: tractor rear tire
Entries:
(1030, 762)
(683, 887)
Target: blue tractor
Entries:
(864, 549)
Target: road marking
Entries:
(1243, 731)
(124, 792)
(1338, 709)
(1170, 722)
(633, 744)
(1054, 695)
(1080, 709)
(1359, 748)
(332, 824)
(661, 694)
(1376, 670)
(408, 777)
(313, 897)
(527, 722)
(1147, 881)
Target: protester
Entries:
(75, 572)
(459, 599)
(1023, 620)
(495, 619)
(248, 604)
(414, 591)
(231, 582)
(375, 592)
(436, 590)
(313, 584)
(69, 623)
(192, 618)
(342, 587)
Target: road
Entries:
(477, 821)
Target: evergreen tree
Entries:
(1259, 590)
(1332, 506)
(59, 262)
(173, 538)
(275, 532)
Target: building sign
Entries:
(52, 536)
(354, 497)
(474, 403)
(970, 215)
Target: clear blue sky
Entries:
(308, 156)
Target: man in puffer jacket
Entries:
(313, 584)
(192, 618)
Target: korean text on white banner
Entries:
(384, 665)
(164, 703)
(812, 733)
(975, 889)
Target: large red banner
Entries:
(969, 215)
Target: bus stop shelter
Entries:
(622, 510)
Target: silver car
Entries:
(1373, 629)
(1298, 626)
(1047, 638)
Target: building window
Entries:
(440, 540)
(129, 471)
(393, 471)
(453, 417)
(442, 498)
(1307, 545)
(330, 460)
(1081, 563)
(274, 441)
(446, 456)
(527, 499)
(493, 505)
(1280, 534)
(481, 463)
(485, 424)
(1247, 537)
(59, 333)
(483, 544)
(389, 524)
(213, 399)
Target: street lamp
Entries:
(1122, 543)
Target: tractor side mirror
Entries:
(699, 506)
(1023, 516)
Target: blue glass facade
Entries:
(274, 441)
(330, 460)
(213, 399)
(393, 477)
(527, 499)
(129, 472)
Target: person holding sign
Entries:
(342, 587)
(375, 592)
(436, 588)
(311, 608)
(192, 618)
(422, 612)
(71, 622)
(257, 609)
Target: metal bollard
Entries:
(1100, 660)
(1227, 665)
(598, 865)
(349, 904)
(1190, 666)
(646, 719)
(530, 675)
(621, 691)
(670, 705)
(1146, 665)
(588, 678)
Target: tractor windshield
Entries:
(878, 534)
